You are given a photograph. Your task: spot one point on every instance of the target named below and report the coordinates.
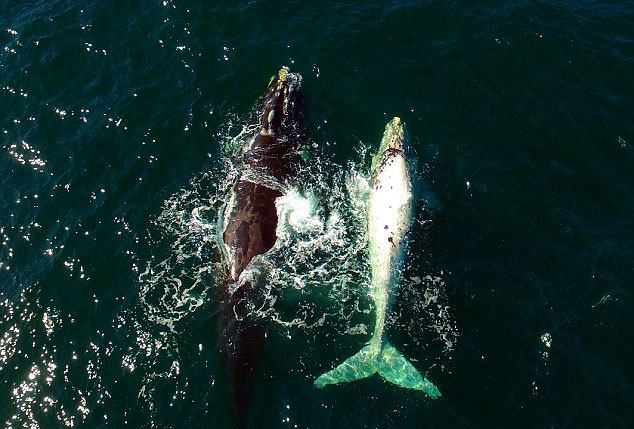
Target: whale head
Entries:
(392, 144)
(282, 105)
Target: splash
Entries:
(179, 271)
(188, 230)
(316, 275)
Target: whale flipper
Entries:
(389, 363)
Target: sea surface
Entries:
(120, 128)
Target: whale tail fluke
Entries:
(389, 363)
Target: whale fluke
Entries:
(389, 363)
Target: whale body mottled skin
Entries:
(250, 228)
(389, 219)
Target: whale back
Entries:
(390, 205)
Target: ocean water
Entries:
(120, 129)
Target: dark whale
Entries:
(250, 228)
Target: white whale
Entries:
(389, 219)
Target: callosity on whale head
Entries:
(280, 135)
(393, 141)
(282, 105)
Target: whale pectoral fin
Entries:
(396, 369)
(361, 365)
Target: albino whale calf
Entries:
(389, 219)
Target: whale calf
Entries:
(249, 228)
(389, 219)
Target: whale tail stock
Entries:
(389, 363)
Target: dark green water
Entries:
(517, 296)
